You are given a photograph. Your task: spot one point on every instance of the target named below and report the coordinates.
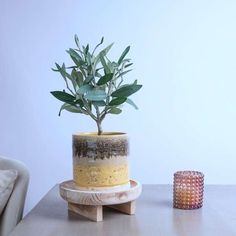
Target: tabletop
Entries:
(154, 216)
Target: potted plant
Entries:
(95, 87)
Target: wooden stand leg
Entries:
(128, 207)
(93, 213)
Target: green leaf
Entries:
(77, 76)
(115, 110)
(90, 105)
(102, 39)
(104, 79)
(88, 58)
(69, 108)
(72, 67)
(77, 41)
(74, 54)
(79, 79)
(126, 60)
(110, 66)
(77, 59)
(123, 73)
(127, 65)
(61, 69)
(107, 49)
(80, 102)
(64, 97)
(86, 49)
(84, 89)
(96, 60)
(114, 64)
(130, 102)
(55, 69)
(103, 53)
(73, 80)
(126, 90)
(123, 55)
(99, 103)
(88, 79)
(117, 101)
(104, 64)
(77, 63)
(95, 95)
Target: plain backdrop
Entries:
(184, 54)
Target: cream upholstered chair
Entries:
(13, 211)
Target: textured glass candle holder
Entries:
(188, 190)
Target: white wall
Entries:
(184, 54)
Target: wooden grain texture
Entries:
(71, 193)
(154, 216)
(128, 207)
(94, 213)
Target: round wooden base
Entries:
(89, 203)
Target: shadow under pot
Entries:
(100, 160)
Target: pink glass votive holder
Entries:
(188, 189)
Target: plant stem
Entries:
(99, 127)
(99, 120)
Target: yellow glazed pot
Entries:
(100, 160)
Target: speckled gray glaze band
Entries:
(100, 147)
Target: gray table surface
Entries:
(154, 216)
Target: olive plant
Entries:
(94, 83)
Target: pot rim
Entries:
(104, 134)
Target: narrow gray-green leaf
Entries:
(123, 73)
(127, 65)
(115, 110)
(61, 70)
(104, 79)
(86, 49)
(69, 108)
(123, 55)
(117, 101)
(110, 66)
(102, 39)
(72, 67)
(77, 59)
(107, 49)
(73, 79)
(103, 53)
(102, 59)
(88, 58)
(74, 54)
(77, 41)
(88, 79)
(78, 77)
(130, 102)
(55, 69)
(126, 90)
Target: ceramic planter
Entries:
(100, 160)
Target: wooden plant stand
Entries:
(89, 203)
